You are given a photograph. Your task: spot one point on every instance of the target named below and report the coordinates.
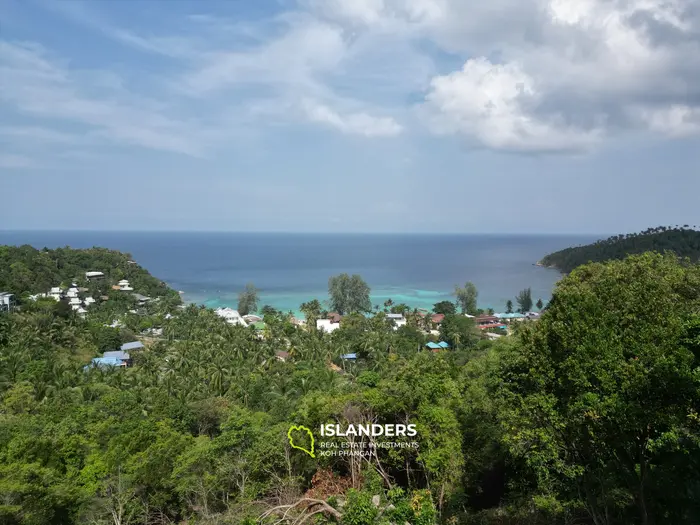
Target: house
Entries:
(510, 316)
(349, 357)
(116, 287)
(327, 325)
(88, 301)
(251, 318)
(493, 336)
(436, 347)
(136, 345)
(142, 299)
(94, 275)
(125, 286)
(80, 310)
(486, 319)
(398, 319)
(231, 316)
(438, 318)
(533, 315)
(75, 301)
(123, 356)
(492, 325)
(105, 362)
(7, 301)
(282, 356)
(73, 292)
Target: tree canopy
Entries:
(466, 298)
(349, 294)
(445, 307)
(588, 415)
(682, 240)
(524, 300)
(248, 300)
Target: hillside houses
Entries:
(231, 316)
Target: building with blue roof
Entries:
(103, 362)
(442, 345)
(510, 316)
(136, 345)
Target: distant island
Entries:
(684, 241)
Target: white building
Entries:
(398, 319)
(74, 301)
(88, 301)
(94, 275)
(232, 316)
(7, 301)
(327, 325)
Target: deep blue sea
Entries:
(288, 269)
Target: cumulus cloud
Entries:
(515, 75)
(497, 106)
(573, 71)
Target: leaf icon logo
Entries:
(298, 430)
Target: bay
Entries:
(290, 268)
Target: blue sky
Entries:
(559, 116)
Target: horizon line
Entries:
(278, 232)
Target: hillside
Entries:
(26, 270)
(683, 241)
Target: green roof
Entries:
(259, 325)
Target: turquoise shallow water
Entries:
(291, 302)
(289, 269)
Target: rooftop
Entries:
(118, 354)
(132, 346)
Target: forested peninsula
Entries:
(682, 240)
(586, 415)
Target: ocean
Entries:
(289, 269)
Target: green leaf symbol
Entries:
(297, 429)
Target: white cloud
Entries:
(494, 105)
(38, 85)
(533, 75)
(354, 123)
(571, 72)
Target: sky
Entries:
(506, 116)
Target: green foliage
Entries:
(445, 307)
(459, 331)
(683, 241)
(248, 300)
(349, 294)
(26, 270)
(359, 509)
(466, 298)
(578, 417)
(509, 306)
(524, 300)
(601, 391)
